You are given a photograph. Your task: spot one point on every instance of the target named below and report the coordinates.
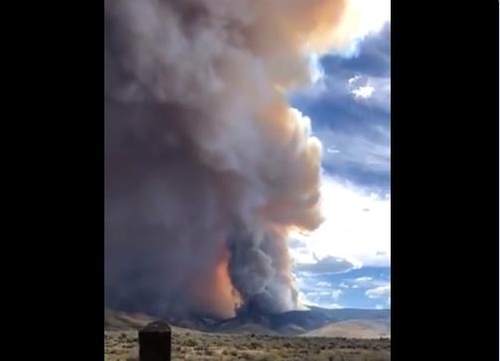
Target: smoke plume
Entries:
(207, 168)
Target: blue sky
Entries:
(346, 262)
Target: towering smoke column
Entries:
(207, 168)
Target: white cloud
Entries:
(379, 292)
(349, 233)
(379, 307)
(334, 305)
(381, 97)
(371, 16)
(318, 300)
(372, 91)
(331, 295)
(316, 293)
(352, 80)
(328, 264)
(358, 150)
(375, 15)
(335, 294)
(362, 18)
(316, 71)
(366, 153)
(364, 283)
(332, 150)
(375, 91)
(363, 92)
(303, 120)
(368, 282)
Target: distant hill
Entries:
(114, 320)
(298, 322)
(354, 329)
(317, 321)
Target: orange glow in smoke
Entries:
(213, 289)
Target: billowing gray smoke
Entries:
(207, 169)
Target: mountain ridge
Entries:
(292, 323)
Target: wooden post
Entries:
(155, 342)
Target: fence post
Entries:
(155, 342)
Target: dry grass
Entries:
(186, 345)
(120, 345)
